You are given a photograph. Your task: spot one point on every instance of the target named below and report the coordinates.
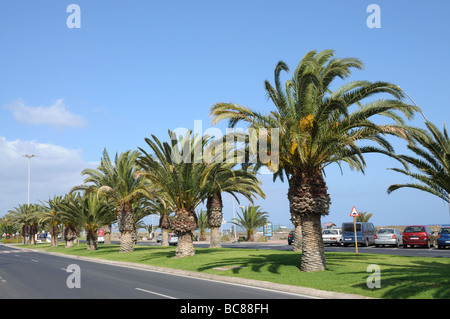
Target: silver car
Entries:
(388, 236)
(332, 236)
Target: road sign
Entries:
(268, 229)
(354, 212)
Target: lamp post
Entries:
(29, 171)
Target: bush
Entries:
(12, 241)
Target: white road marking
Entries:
(155, 293)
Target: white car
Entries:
(332, 236)
(388, 236)
(101, 239)
(173, 239)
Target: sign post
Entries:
(354, 214)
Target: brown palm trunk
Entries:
(25, 233)
(184, 223)
(91, 240)
(125, 220)
(298, 238)
(33, 232)
(70, 234)
(54, 231)
(308, 198)
(107, 233)
(164, 224)
(214, 211)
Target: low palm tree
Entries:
(363, 217)
(175, 172)
(202, 221)
(251, 219)
(27, 217)
(116, 181)
(431, 162)
(91, 213)
(313, 126)
(161, 206)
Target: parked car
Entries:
(101, 239)
(173, 239)
(365, 233)
(443, 237)
(291, 238)
(418, 235)
(388, 236)
(332, 236)
(159, 238)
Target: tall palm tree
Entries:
(116, 181)
(174, 170)
(318, 127)
(251, 219)
(432, 162)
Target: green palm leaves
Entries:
(251, 218)
(319, 126)
(432, 162)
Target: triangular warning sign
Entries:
(354, 212)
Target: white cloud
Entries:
(55, 114)
(54, 171)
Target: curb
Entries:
(302, 291)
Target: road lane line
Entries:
(155, 293)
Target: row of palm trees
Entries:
(317, 125)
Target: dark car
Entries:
(418, 235)
(443, 237)
(291, 238)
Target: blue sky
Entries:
(136, 68)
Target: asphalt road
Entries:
(29, 274)
(282, 245)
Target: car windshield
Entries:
(444, 231)
(349, 227)
(330, 232)
(386, 231)
(414, 229)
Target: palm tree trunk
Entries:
(125, 220)
(184, 223)
(214, 211)
(298, 238)
(107, 234)
(164, 237)
(309, 200)
(91, 240)
(70, 234)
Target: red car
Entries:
(418, 235)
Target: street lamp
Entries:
(29, 170)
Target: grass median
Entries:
(400, 277)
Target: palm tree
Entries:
(116, 181)
(202, 221)
(26, 216)
(174, 171)
(318, 127)
(432, 161)
(161, 206)
(91, 212)
(251, 219)
(363, 217)
(233, 181)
